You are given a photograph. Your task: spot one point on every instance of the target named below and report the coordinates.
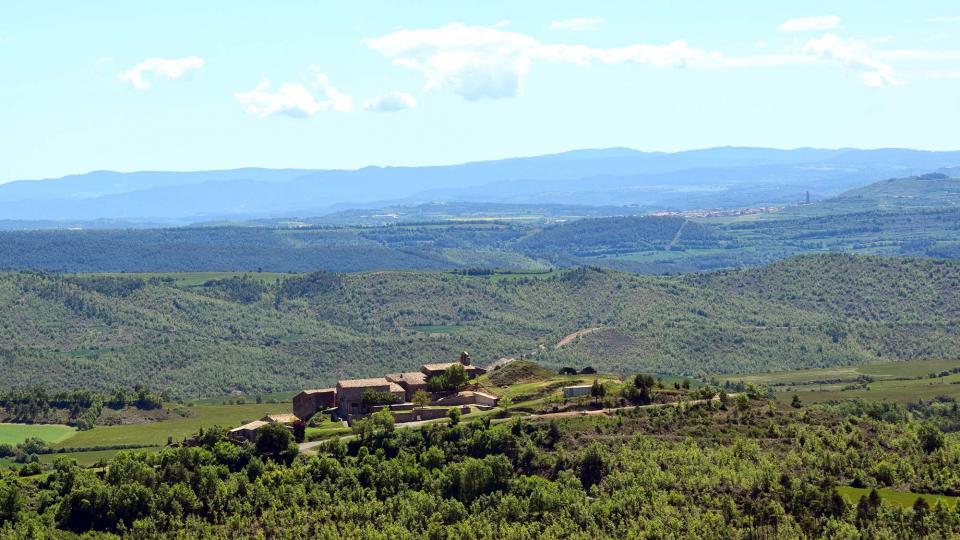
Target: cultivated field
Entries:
(156, 433)
(903, 382)
(17, 433)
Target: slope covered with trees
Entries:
(743, 467)
(256, 334)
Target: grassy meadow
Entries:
(903, 499)
(51, 433)
(156, 433)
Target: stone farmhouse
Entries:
(347, 398)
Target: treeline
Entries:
(36, 404)
(758, 470)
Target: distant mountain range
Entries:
(917, 216)
(726, 177)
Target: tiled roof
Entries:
(319, 391)
(411, 377)
(362, 383)
(444, 365)
(256, 424)
(283, 418)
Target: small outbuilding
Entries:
(247, 431)
(576, 390)
(283, 418)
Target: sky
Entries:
(179, 85)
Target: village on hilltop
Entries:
(411, 396)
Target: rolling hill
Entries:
(281, 332)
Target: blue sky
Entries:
(202, 85)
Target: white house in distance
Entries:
(576, 390)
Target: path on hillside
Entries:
(676, 237)
(570, 337)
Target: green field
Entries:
(904, 382)
(86, 459)
(156, 433)
(17, 433)
(903, 499)
(916, 368)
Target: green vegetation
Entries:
(903, 499)
(17, 433)
(310, 330)
(519, 371)
(742, 467)
(158, 433)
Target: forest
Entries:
(740, 467)
(916, 216)
(214, 334)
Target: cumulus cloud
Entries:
(807, 24)
(141, 75)
(479, 62)
(294, 99)
(488, 63)
(855, 54)
(390, 102)
(580, 24)
(475, 62)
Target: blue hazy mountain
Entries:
(708, 178)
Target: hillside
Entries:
(915, 191)
(211, 336)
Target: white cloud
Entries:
(487, 63)
(478, 62)
(807, 24)
(580, 24)
(945, 19)
(475, 62)
(390, 102)
(295, 99)
(856, 54)
(140, 75)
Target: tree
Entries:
(299, 431)
(11, 501)
(597, 391)
(593, 465)
(567, 371)
(453, 378)
(931, 438)
(795, 402)
(589, 370)
(454, 414)
(374, 426)
(275, 442)
(373, 398)
(420, 398)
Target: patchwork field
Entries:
(903, 382)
